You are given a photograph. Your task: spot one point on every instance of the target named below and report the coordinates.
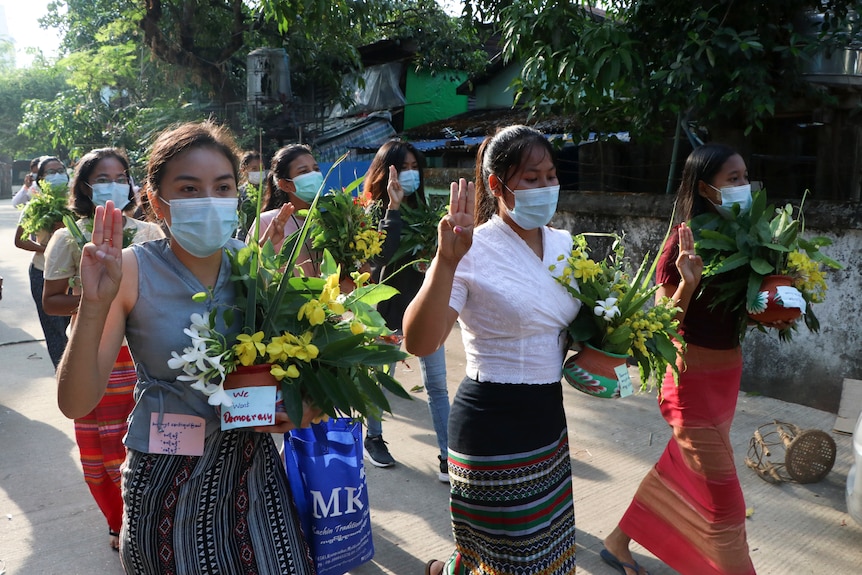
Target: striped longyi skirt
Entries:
(228, 511)
(511, 481)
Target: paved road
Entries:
(50, 525)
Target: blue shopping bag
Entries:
(327, 477)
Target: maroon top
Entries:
(714, 329)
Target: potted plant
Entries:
(300, 335)
(615, 321)
(760, 259)
(340, 224)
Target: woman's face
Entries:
(253, 166)
(409, 162)
(303, 164)
(536, 171)
(197, 173)
(732, 173)
(107, 170)
(53, 167)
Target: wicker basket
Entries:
(809, 454)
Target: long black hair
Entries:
(501, 155)
(702, 165)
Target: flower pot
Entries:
(251, 376)
(593, 372)
(786, 309)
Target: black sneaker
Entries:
(377, 452)
(444, 469)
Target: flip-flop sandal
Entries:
(116, 534)
(621, 567)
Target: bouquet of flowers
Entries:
(316, 344)
(341, 225)
(45, 211)
(760, 264)
(615, 319)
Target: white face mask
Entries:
(409, 180)
(202, 226)
(57, 180)
(535, 207)
(734, 195)
(255, 178)
(119, 193)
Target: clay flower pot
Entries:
(777, 309)
(254, 376)
(592, 371)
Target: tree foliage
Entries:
(644, 62)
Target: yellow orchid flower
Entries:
(249, 347)
(280, 373)
(313, 311)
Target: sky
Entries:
(22, 25)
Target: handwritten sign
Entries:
(789, 296)
(626, 387)
(252, 407)
(177, 434)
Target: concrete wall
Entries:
(808, 370)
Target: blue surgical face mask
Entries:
(57, 180)
(535, 207)
(740, 195)
(119, 193)
(409, 180)
(307, 185)
(202, 226)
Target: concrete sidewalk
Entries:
(49, 523)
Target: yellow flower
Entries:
(357, 327)
(313, 311)
(586, 270)
(303, 349)
(279, 373)
(249, 347)
(278, 349)
(360, 278)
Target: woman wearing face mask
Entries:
(509, 466)
(51, 172)
(395, 177)
(251, 174)
(225, 505)
(689, 510)
(101, 175)
(293, 180)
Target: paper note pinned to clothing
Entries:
(177, 434)
(252, 407)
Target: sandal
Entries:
(112, 534)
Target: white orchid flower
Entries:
(177, 361)
(220, 397)
(607, 308)
(200, 323)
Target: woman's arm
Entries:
(109, 283)
(56, 299)
(690, 268)
(429, 319)
(25, 243)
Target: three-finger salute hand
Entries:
(102, 258)
(689, 264)
(455, 232)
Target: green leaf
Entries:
(391, 385)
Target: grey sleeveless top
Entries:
(154, 328)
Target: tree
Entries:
(643, 63)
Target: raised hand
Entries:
(394, 189)
(689, 264)
(275, 230)
(102, 258)
(455, 232)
